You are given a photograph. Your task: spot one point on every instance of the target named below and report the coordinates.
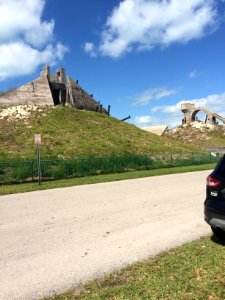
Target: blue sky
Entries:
(143, 57)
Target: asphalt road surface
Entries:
(53, 240)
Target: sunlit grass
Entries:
(192, 271)
(67, 132)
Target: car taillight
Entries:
(212, 182)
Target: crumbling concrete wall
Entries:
(52, 89)
(79, 98)
(35, 92)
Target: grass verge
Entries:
(28, 187)
(192, 271)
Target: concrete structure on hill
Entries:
(159, 130)
(190, 114)
(50, 90)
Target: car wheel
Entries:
(218, 232)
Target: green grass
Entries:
(217, 136)
(28, 187)
(192, 271)
(204, 137)
(55, 169)
(67, 132)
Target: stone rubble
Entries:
(19, 111)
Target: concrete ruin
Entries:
(190, 114)
(159, 130)
(52, 90)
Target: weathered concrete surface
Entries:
(52, 89)
(53, 240)
(79, 98)
(159, 130)
(190, 111)
(36, 92)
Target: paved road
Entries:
(53, 240)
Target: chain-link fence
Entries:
(26, 171)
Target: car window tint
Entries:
(220, 168)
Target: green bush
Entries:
(22, 171)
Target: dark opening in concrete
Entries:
(55, 96)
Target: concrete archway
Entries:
(190, 111)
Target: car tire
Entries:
(218, 232)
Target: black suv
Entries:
(215, 199)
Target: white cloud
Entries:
(26, 41)
(90, 49)
(215, 102)
(21, 59)
(147, 96)
(142, 121)
(143, 24)
(194, 73)
(172, 113)
(153, 120)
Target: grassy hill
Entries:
(67, 132)
(199, 135)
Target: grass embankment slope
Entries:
(67, 132)
(200, 137)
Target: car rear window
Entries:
(220, 168)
